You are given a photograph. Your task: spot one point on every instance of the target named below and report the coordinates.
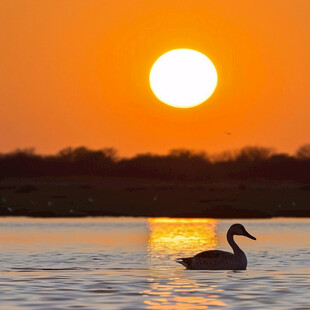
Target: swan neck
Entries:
(232, 243)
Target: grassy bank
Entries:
(90, 196)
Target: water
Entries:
(126, 263)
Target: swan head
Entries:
(239, 230)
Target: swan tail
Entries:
(186, 262)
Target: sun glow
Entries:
(183, 78)
(169, 239)
(181, 235)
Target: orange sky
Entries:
(76, 73)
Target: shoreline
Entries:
(142, 217)
(91, 196)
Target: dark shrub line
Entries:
(247, 164)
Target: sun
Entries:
(183, 78)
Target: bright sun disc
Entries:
(183, 78)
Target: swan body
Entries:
(220, 260)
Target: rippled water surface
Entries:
(126, 263)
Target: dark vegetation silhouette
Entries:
(249, 163)
(254, 182)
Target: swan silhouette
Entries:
(220, 260)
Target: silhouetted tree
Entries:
(253, 154)
(303, 152)
(180, 164)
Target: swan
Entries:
(220, 260)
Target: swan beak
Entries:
(249, 236)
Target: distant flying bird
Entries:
(220, 260)
(228, 133)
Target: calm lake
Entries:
(129, 263)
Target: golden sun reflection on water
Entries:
(181, 293)
(175, 288)
(177, 236)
